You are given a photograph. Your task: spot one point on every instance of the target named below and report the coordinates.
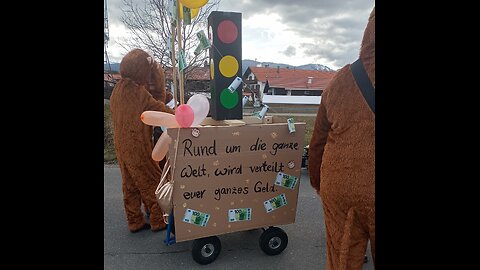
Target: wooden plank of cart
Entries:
(231, 176)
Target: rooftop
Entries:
(292, 78)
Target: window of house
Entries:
(298, 93)
(280, 92)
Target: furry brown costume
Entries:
(157, 84)
(342, 163)
(133, 139)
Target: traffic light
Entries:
(225, 34)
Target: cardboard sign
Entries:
(234, 178)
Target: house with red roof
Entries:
(197, 81)
(273, 86)
(286, 85)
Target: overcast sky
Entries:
(295, 32)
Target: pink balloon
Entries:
(184, 115)
(200, 107)
(161, 147)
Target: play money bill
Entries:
(203, 40)
(239, 214)
(275, 202)
(285, 180)
(196, 217)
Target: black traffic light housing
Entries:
(225, 35)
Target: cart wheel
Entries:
(273, 241)
(205, 250)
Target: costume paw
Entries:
(161, 227)
(146, 226)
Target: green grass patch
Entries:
(109, 155)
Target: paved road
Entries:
(240, 250)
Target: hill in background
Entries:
(247, 63)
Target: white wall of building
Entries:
(311, 100)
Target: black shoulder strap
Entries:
(364, 83)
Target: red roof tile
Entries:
(293, 78)
(193, 74)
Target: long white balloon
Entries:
(155, 118)
(161, 147)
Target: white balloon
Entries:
(200, 106)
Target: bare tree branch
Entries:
(149, 24)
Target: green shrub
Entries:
(108, 146)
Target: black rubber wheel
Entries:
(273, 241)
(205, 250)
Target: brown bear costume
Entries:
(133, 139)
(342, 163)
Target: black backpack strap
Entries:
(364, 83)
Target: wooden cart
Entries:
(232, 176)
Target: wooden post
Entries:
(179, 35)
(174, 69)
